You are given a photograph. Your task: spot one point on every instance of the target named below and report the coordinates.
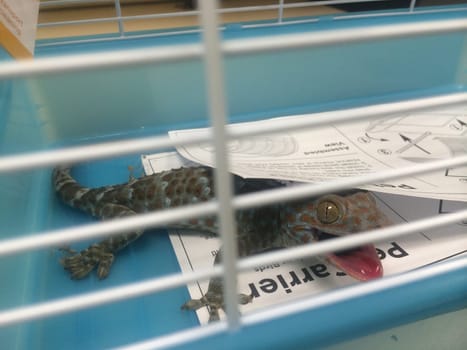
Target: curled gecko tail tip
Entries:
(60, 173)
(63, 168)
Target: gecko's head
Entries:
(332, 216)
(344, 215)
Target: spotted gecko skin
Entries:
(258, 229)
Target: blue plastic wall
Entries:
(99, 103)
(60, 110)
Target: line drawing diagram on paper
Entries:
(260, 146)
(420, 137)
(328, 152)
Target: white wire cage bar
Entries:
(116, 148)
(76, 63)
(214, 71)
(52, 3)
(225, 204)
(280, 9)
(281, 311)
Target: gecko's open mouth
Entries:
(361, 262)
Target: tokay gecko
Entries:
(258, 229)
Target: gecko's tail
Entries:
(67, 188)
(61, 178)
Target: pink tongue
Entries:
(361, 263)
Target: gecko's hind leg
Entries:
(101, 254)
(214, 300)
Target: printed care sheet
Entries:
(353, 149)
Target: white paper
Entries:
(279, 282)
(19, 17)
(352, 149)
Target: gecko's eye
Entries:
(328, 212)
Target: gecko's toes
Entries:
(103, 269)
(244, 299)
(214, 302)
(77, 267)
(81, 264)
(194, 304)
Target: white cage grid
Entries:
(279, 19)
(212, 51)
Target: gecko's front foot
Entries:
(80, 264)
(214, 300)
